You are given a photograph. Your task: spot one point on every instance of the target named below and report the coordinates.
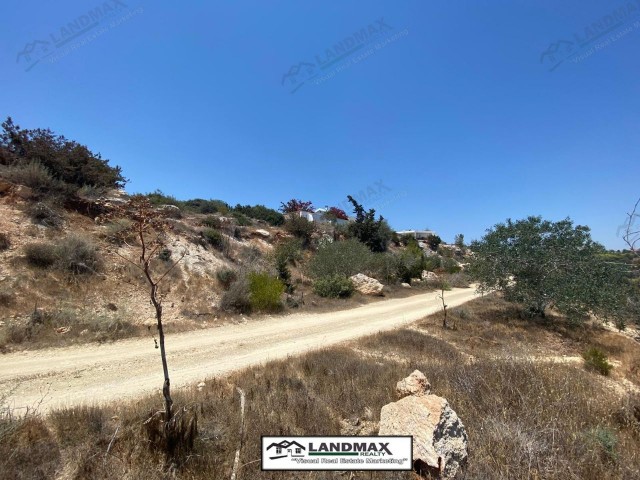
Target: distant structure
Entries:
(417, 234)
(319, 216)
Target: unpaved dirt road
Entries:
(129, 368)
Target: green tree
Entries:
(344, 258)
(434, 242)
(540, 264)
(65, 160)
(375, 234)
(459, 241)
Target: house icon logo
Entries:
(286, 449)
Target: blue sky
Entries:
(448, 118)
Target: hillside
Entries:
(44, 304)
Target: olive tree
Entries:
(543, 264)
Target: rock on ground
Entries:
(415, 384)
(366, 285)
(440, 443)
(429, 276)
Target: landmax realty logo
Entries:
(337, 453)
(341, 55)
(576, 47)
(76, 33)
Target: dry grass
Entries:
(525, 419)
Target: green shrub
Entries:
(300, 228)
(410, 263)
(33, 175)
(458, 280)
(334, 286)
(226, 276)
(78, 255)
(344, 258)
(431, 263)
(449, 265)
(119, 231)
(214, 238)
(65, 160)
(607, 441)
(165, 255)
(199, 205)
(5, 243)
(596, 360)
(158, 198)
(260, 212)
(212, 222)
(42, 255)
(237, 297)
(265, 292)
(241, 219)
(43, 214)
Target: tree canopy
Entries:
(375, 234)
(540, 264)
(65, 160)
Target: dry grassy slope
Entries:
(194, 291)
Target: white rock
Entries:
(440, 443)
(415, 384)
(366, 285)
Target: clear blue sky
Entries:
(453, 124)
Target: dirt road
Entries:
(129, 368)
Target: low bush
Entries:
(334, 286)
(212, 222)
(214, 238)
(165, 254)
(265, 292)
(78, 255)
(458, 280)
(33, 175)
(344, 258)
(7, 298)
(73, 254)
(40, 254)
(237, 297)
(226, 276)
(300, 228)
(43, 214)
(596, 360)
(5, 242)
(241, 219)
(260, 212)
(119, 231)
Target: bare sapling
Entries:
(149, 228)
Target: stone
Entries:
(262, 233)
(415, 384)
(23, 192)
(405, 285)
(366, 285)
(440, 442)
(201, 385)
(429, 276)
(171, 211)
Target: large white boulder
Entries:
(440, 442)
(366, 285)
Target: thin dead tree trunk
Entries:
(444, 307)
(234, 473)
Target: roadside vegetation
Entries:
(528, 414)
